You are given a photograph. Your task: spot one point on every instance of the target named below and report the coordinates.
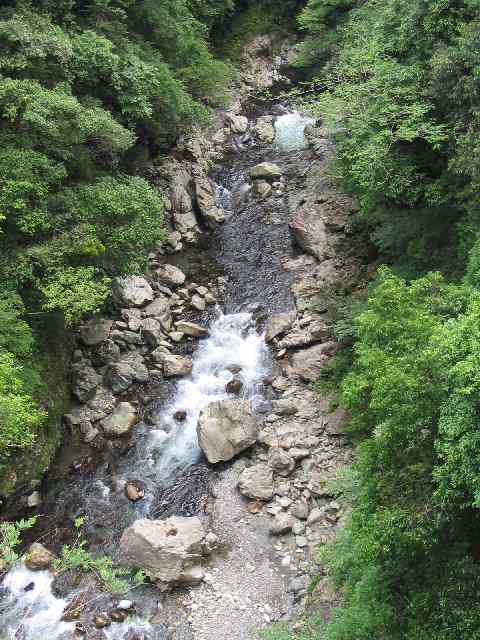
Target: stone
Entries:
(282, 523)
(298, 528)
(132, 291)
(234, 387)
(265, 170)
(300, 509)
(106, 353)
(279, 324)
(280, 461)
(298, 453)
(315, 516)
(169, 551)
(264, 130)
(284, 407)
(257, 482)
(121, 421)
(120, 376)
(173, 365)
(85, 381)
(206, 201)
(225, 429)
(95, 332)
(301, 541)
(38, 557)
(170, 275)
(310, 233)
(159, 307)
(151, 331)
(34, 500)
(336, 423)
(237, 124)
(308, 363)
(134, 490)
(118, 615)
(263, 189)
(198, 302)
(191, 329)
(176, 336)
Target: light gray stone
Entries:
(133, 291)
(257, 482)
(121, 421)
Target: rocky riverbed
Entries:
(203, 453)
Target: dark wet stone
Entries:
(180, 416)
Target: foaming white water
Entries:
(233, 344)
(290, 131)
(32, 614)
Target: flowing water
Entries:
(166, 457)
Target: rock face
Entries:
(257, 482)
(226, 428)
(132, 291)
(169, 551)
(310, 233)
(121, 421)
(278, 324)
(265, 170)
(38, 558)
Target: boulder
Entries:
(191, 329)
(282, 523)
(264, 130)
(180, 415)
(173, 365)
(237, 124)
(151, 331)
(120, 376)
(134, 490)
(265, 170)
(310, 233)
(169, 551)
(263, 189)
(106, 353)
(198, 302)
(284, 407)
(235, 387)
(133, 291)
(225, 429)
(95, 331)
(280, 461)
(257, 482)
(121, 421)
(170, 275)
(85, 381)
(308, 364)
(207, 203)
(159, 307)
(279, 324)
(38, 557)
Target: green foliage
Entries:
(10, 540)
(111, 577)
(19, 415)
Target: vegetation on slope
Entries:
(401, 96)
(85, 87)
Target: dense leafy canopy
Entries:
(399, 92)
(84, 88)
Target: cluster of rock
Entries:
(114, 355)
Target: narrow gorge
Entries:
(199, 450)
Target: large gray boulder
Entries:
(265, 170)
(257, 482)
(310, 233)
(133, 291)
(225, 429)
(237, 124)
(121, 421)
(169, 551)
(159, 307)
(119, 376)
(279, 324)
